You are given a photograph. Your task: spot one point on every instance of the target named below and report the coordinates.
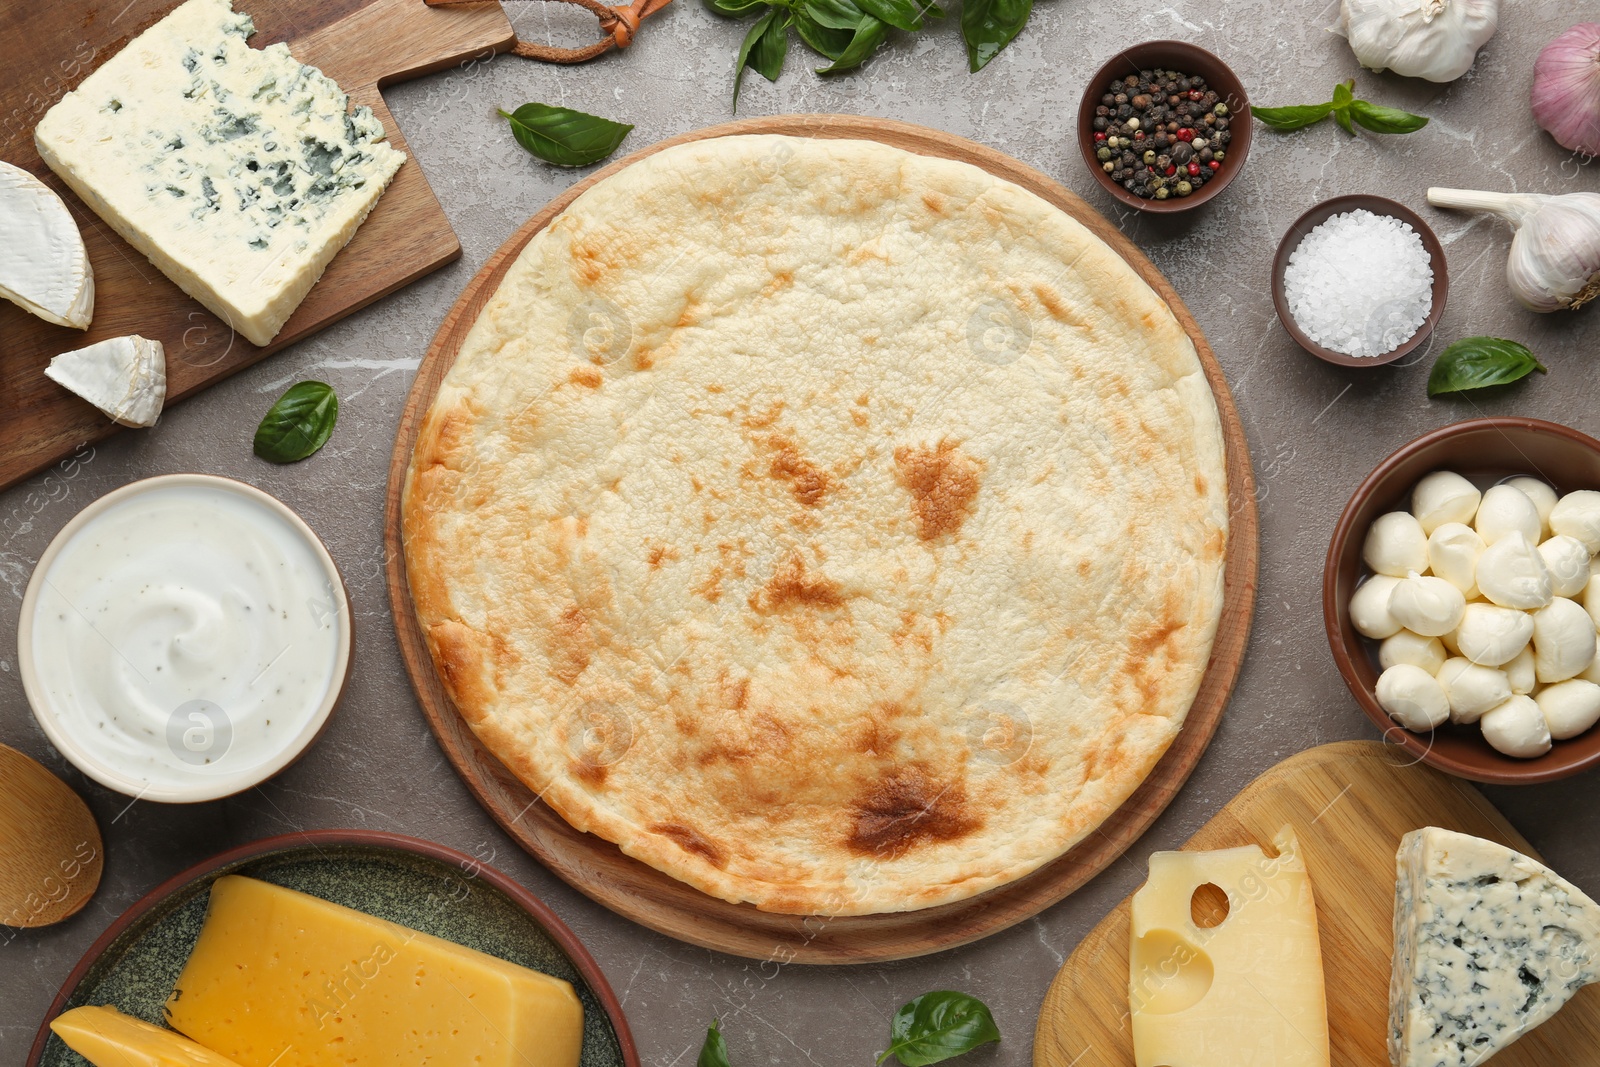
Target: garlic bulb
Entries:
(1566, 89)
(1555, 255)
(1432, 39)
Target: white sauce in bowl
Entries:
(184, 638)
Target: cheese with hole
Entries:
(107, 1038)
(237, 170)
(44, 268)
(125, 377)
(1247, 992)
(284, 979)
(1488, 944)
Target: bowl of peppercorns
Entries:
(1164, 126)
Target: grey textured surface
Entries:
(1314, 430)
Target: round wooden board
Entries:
(598, 868)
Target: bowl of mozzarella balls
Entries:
(1462, 599)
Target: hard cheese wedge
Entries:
(284, 979)
(1488, 944)
(1246, 992)
(107, 1038)
(44, 268)
(235, 169)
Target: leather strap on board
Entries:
(618, 23)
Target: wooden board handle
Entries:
(619, 24)
(391, 40)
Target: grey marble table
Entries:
(1314, 430)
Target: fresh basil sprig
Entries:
(298, 424)
(937, 1026)
(1346, 110)
(563, 136)
(714, 1053)
(989, 25)
(1480, 362)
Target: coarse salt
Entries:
(1360, 284)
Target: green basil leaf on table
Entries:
(937, 1026)
(987, 26)
(835, 14)
(901, 14)
(298, 424)
(764, 49)
(734, 9)
(868, 36)
(1344, 93)
(1341, 115)
(1292, 118)
(563, 136)
(714, 1053)
(823, 40)
(1480, 362)
(1385, 119)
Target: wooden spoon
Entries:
(50, 851)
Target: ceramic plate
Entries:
(428, 887)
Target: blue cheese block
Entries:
(1488, 944)
(238, 171)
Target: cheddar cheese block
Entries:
(107, 1038)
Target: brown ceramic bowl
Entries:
(1378, 206)
(1192, 60)
(1485, 451)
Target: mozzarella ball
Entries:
(1517, 728)
(1543, 497)
(1511, 573)
(1591, 673)
(1490, 636)
(1591, 598)
(1568, 563)
(1453, 551)
(1451, 645)
(1563, 640)
(1444, 496)
(1506, 510)
(1396, 545)
(1369, 608)
(1578, 515)
(1407, 647)
(1521, 674)
(1569, 707)
(1412, 697)
(1428, 606)
(1471, 689)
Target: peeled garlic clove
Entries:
(1512, 574)
(1578, 515)
(1568, 563)
(1490, 636)
(1471, 689)
(1412, 697)
(1453, 551)
(1396, 545)
(1543, 497)
(1521, 674)
(1517, 728)
(1408, 647)
(1444, 496)
(1369, 608)
(1563, 640)
(1506, 510)
(1426, 605)
(1569, 707)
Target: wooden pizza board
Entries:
(363, 45)
(1349, 803)
(598, 868)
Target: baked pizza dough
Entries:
(831, 527)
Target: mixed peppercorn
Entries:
(1161, 133)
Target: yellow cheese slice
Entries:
(1245, 992)
(282, 979)
(107, 1038)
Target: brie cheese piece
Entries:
(125, 377)
(43, 266)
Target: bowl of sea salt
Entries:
(1360, 281)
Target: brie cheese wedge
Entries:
(43, 266)
(125, 377)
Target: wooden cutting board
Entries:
(1350, 803)
(363, 45)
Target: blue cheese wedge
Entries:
(125, 377)
(43, 266)
(237, 170)
(1488, 944)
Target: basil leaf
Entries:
(835, 14)
(868, 36)
(937, 1026)
(1297, 117)
(764, 49)
(733, 9)
(1343, 94)
(901, 14)
(298, 424)
(823, 40)
(1479, 362)
(989, 25)
(1386, 119)
(563, 136)
(714, 1053)
(1341, 115)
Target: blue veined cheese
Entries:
(238, 171)
(1488, 944)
